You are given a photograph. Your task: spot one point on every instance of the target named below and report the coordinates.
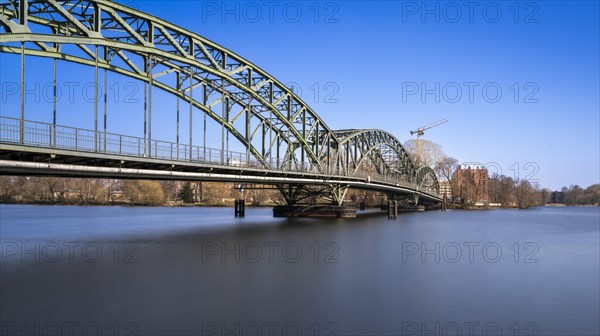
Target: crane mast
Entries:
(421, 130)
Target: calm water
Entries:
(190, 271)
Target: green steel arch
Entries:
(274, 125)
(385, 153)
(426, 178)
(110, 36)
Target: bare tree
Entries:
(51, 184)
(445, 169)
(431, 152)
(525, 194)
(171, 190)
(545, 196)
(144, 192)
(502, 190)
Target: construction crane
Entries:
(420, 131)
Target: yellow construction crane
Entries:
(420, 131)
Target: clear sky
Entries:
(518, 81)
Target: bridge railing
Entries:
(34, 133)
(71, 138)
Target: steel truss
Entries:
(272, 123)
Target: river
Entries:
(200, 271)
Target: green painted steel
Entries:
(278, 130)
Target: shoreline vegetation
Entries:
(466, 186)
(268, 205)
(180, 204)
(107, 192)
(552, 205)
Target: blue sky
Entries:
(518, 81)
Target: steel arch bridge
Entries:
(286, 143)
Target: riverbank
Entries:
(460, 207)
(228, 204)
(129, 204)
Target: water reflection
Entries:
(188, 271)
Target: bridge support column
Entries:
(338, 192)
(392, 209)
(240, 208)
(302, 202)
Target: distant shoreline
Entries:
(557, 205)
(570, 205)
(226, 205)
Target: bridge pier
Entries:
(392, 209)
(240, 208)
(302, 201)
(416, 199)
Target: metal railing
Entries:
(39, 134)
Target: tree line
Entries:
(501, 190)
(89, 191)
(575, 195)
(511, 192)
(84, 191)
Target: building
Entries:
(470, 184)
(557, 197)
(446, 189)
